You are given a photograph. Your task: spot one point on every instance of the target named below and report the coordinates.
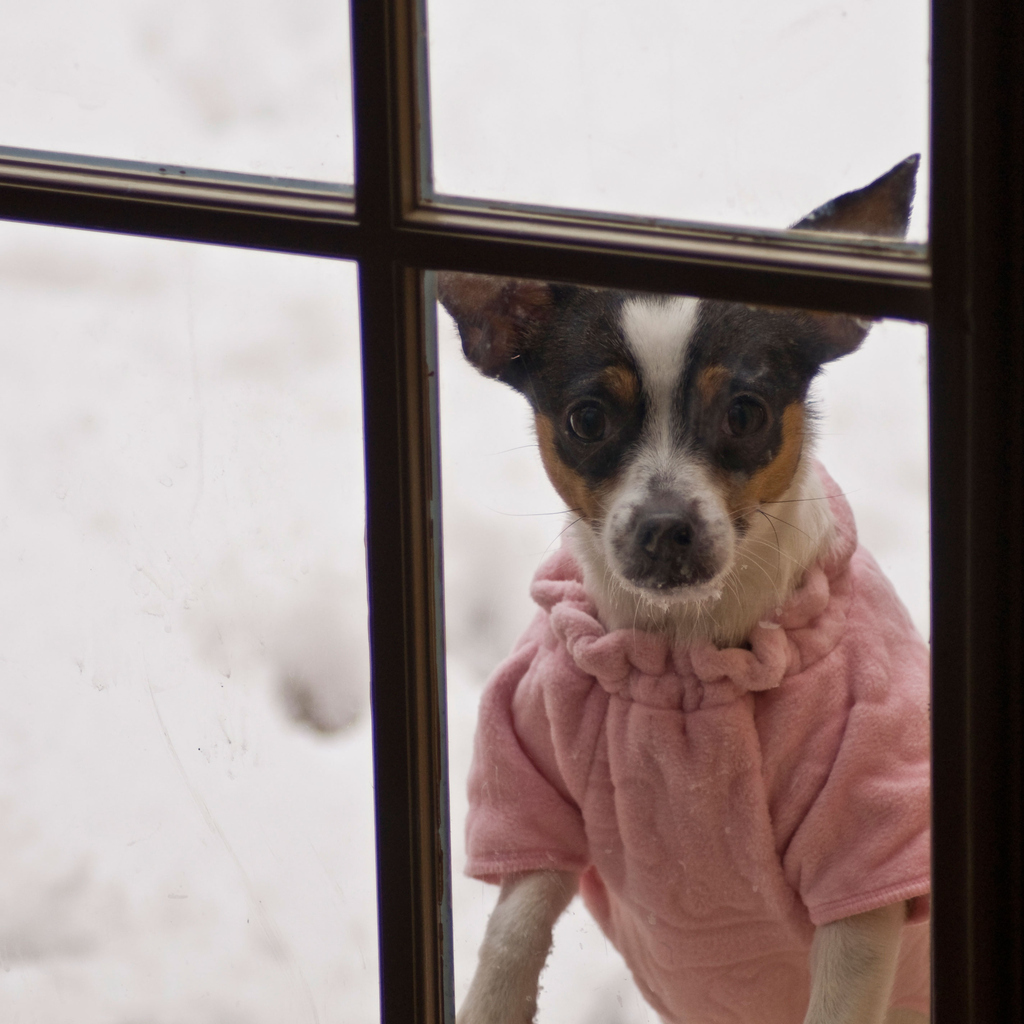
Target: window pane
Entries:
(735, 112)
(263, 87)
(867, 416)
(187, 828)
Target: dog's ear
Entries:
(496, 317)
(881, 209)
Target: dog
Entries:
(716, 730)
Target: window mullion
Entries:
(402, 539)
(403, 531)
(977, 469)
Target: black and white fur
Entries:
(678, 433)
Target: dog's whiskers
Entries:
(516, 448)
(784, 522)
(818, 497)
(524, 515)
(778, 546)
(569, 526)
(773, 547)
(758, 564)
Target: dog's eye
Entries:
(588, 422)
(746, 416)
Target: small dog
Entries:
(716, 729)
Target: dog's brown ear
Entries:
(881, 209)
(496, 317)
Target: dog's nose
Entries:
(665, 545)
(664, 537)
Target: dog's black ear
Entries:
(496, 317)
(831, 336)
(881, 209)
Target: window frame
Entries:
(968, 284)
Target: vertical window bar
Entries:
(403, 570)
(420, 97)
(403, 528)
(948, 409)
(977, 396)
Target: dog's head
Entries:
(666, 424)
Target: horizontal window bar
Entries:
(47, 162)
(866, 276)
(792, 268)
(169, 201)
(811, 241)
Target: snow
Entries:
(182, 556)
(185, 792)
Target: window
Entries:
(971, 290)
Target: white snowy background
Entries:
(185, 795)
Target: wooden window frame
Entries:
(968, 284)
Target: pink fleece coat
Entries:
(718, 804)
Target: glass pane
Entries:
(262, 87)
(731, 112)
(610, 715)
(187, 828)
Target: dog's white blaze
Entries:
(658, 331)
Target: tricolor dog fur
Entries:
(710, 581)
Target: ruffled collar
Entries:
(647, 668)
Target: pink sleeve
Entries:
(519, 819)
(866, 840)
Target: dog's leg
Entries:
(853, 964)
(515, 946)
